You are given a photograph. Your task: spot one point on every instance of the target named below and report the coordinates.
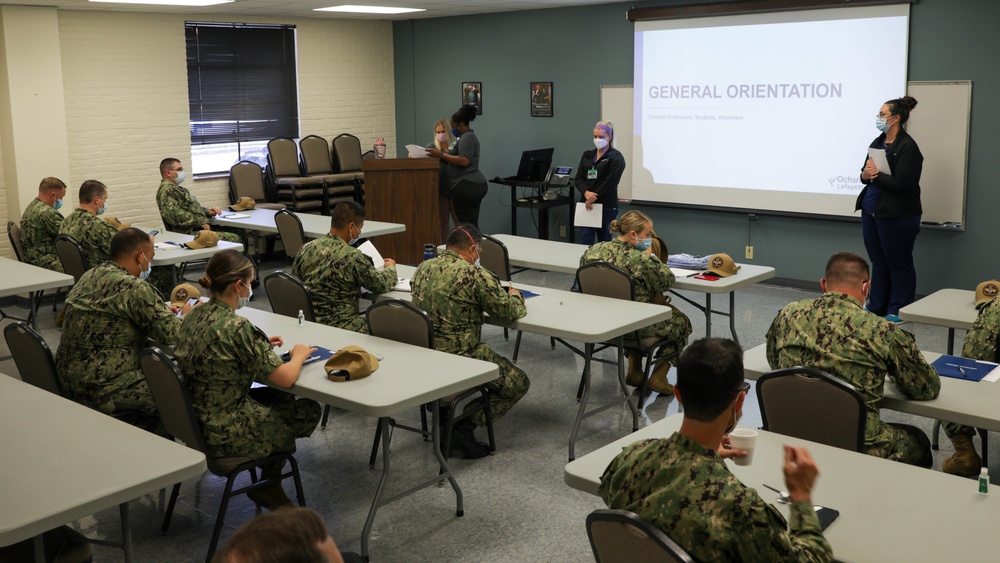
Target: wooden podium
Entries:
(403, 190)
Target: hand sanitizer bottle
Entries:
(302, 318)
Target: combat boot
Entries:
(634, 375)
(271, 496)
(965, 461)
(658, 380)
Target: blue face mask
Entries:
(643, 244)
(355, 239)
(57, 204)
(149, 268)
(456, 132)
(881, 124)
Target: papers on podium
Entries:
(588, 218)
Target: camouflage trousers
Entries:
(162, 278)
(901, 442)
(227, 236)
(677, 328)
(136, 404)
(49, 263)
(952, 429)
(286, 419)
(505, 390)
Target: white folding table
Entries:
(18, 277)
(314, 226)
(178, 254)
(950, 308)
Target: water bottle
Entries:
(302, 318)
(429, 252)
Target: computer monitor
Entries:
(534, 165)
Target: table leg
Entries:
(33, 310)
(588, 348)
(624, 388)
(173, 273)
(732, 316)
(708, 315)
(951, 342)
(513, 210)
(445, 469)
(571, 209)
(383, 423)
(543, 224)
(126, 532)
(39, 543)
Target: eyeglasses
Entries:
(745, 388)
(881, 115)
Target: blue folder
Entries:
(962, 368)
(320, 355)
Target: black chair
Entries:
(293, 235)
(316, 163)
(71, 255)
(14, 234)
(809, 404)
(246, 179)
(287, 181)
(173, 400)
(32, 356)
(607, 280)
(347, 157)
(620, 536)
(403, 322)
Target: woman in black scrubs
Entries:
(597, 180)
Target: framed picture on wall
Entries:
(541, 99)
(472, 93)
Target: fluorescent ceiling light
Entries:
(369, 9)
(186, 3)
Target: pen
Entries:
(960, 367)
(692, 275)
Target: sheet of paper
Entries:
(417, 151)
(684, 273)
(166, 245)
(368, 249)
(878, 155)
(992, 376)
(588, 218)
(234, 216)
(402, 285)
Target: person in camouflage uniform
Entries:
(40, 225)
(980, 344)
(335, 272)
(180, 210)
(221, 354)
(110, 314)
(682, 485)
(835, 334)
(456, 293)
(93, 234)
(632, 251)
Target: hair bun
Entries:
(205, 282)
(614, 226)
(908, 102)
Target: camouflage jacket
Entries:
(335, 273)
(650, 276)
(686, 490)
(180, 210)
(456, 294)
(835, 334)
(109, 315)
(221, 354)
(981, 341)
(93, 234)
(40, 225)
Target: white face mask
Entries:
(600, 143)
(180, 177)
(355, 239)
(243, 301)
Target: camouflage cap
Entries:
(722, 265)
(244, 204)
(986, 291)
(350, 363)
(114, 222)
(182, 293)
(204, 239)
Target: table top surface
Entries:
(952, 308)
(878, 499)
(973, 403)
(569, 315)
(18, 277)
(407, 375)
(314, 226)
(181, 254)
(564, 257)
(64, 461)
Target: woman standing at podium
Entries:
(467, 185)
(444, 140)
(890, 211)
(597, 179)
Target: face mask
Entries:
(735, 421)
(643, 244)
(57, 204)
(244, 300)
(355, 239)
(600, 143)
(881, 124)
(149, 268)
(100, 210)
(180, 177)
(442, 137)
(455, 132)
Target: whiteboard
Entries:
(940, 125)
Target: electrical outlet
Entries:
(562, 231)
(749, 253)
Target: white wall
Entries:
(124, 77)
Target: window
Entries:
(242, 92)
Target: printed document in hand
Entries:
(417, 151)
(591, 218)
(878, 155)
(368, 249)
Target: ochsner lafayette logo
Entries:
(845, 183)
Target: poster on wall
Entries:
(472, 93)
(541, 99)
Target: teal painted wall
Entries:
(579, 49)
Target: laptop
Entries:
(533, 166)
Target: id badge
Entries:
(592, 174)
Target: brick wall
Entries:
(126, 97)
(5, 249)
